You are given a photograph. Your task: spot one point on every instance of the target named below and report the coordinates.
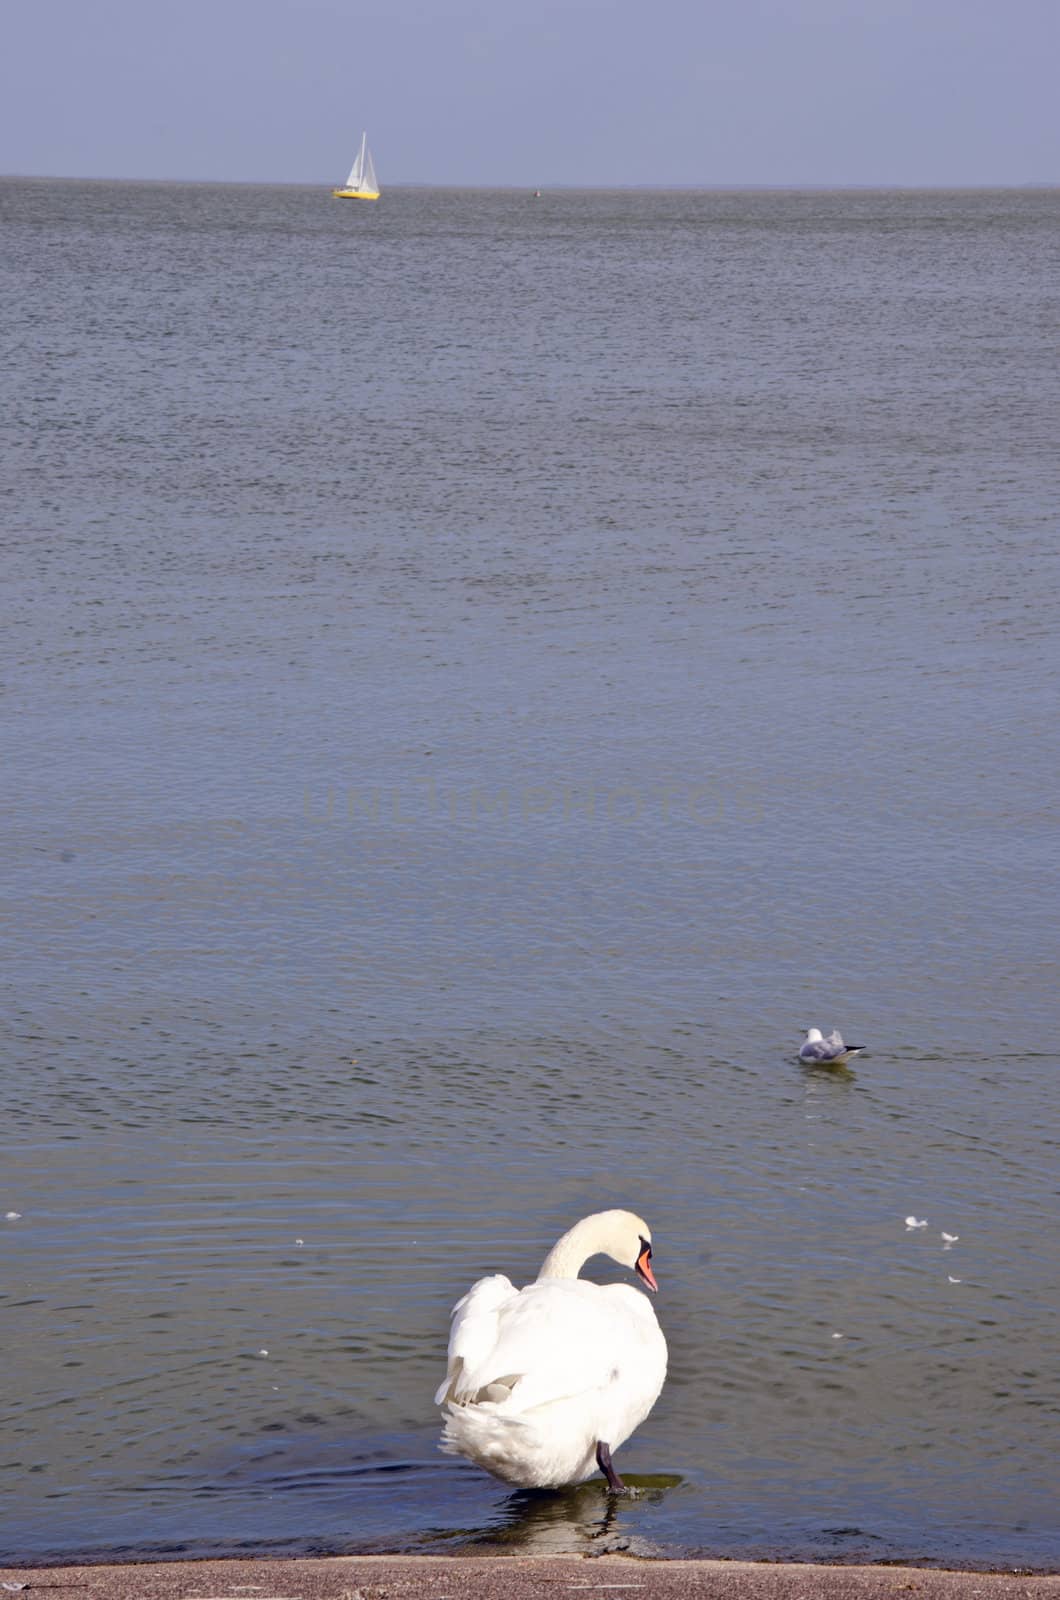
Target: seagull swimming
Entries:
(830, 1052)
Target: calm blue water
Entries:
(481, 675)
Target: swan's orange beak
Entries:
(644, 1269)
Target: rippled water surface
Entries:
(481, 675)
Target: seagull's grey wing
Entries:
(814, 1050)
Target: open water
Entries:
(481, 674)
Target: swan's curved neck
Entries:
(604, 1234)
(569, 1254)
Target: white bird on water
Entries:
(830, 1051)
(543, 1383)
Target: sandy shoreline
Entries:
(513, 1578)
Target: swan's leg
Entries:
(603, 1461)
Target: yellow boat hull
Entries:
(355, 194)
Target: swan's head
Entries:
(622, 1235)
(626, 1238)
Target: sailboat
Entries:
(362, 183)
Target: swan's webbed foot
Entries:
(603, 1461)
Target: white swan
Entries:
(544, 1382)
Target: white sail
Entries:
(354, 179)
(362, 173)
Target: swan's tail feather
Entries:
(514, 1449)
(463, 1424)
(480, 1434)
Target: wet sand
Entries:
(515, 1578)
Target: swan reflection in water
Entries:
(585, 1519)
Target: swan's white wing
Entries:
(560, 1338)
(473, 1334)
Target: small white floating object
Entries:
(13, 1216)
(956, 1280)
(837, 1336)
(6, 1584)
(911, 1222)
(830, 1051)
(263, 1352)
(302, 1241)
(951, 1238)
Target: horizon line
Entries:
(717, 186)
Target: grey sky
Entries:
(513, 92)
